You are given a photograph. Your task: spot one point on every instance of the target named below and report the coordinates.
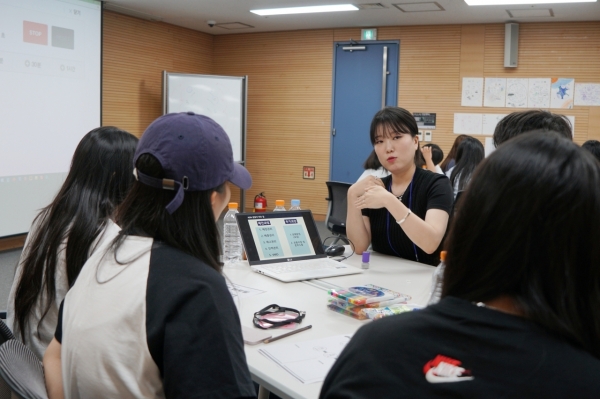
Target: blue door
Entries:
(365, 79)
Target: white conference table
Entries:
(393, 273)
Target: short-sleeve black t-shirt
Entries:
(429, 191)
(456, 349)
(168, 326)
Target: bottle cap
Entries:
(295, 202)
(279, 202)
(233, 205)
(366, 257)
(443, 256)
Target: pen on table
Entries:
(266, 341)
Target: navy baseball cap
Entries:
(194, 152)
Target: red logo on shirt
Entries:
(445, 369)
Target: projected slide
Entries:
(50, 98)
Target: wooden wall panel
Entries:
(135, 52)
(290, 81)
(569, 50)
(433, 60)
(289, 111)
(472, 51)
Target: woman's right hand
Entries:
(360, 187)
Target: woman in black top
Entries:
(520, 310)
(406, 213)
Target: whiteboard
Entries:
(222, 98)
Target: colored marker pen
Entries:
(366, 256)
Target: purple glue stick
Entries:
(366, 257)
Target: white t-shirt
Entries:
(39, 343)
(381, 172)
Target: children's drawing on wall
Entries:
(468, 123)
(495, 92)
(538, 93)
(562, 93)
(516, 93)
(587, 94)
(472, 92)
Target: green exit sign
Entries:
(369, 34)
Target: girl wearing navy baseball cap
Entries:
(151, 315)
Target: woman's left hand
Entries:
(374, 198)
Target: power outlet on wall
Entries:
(428, 135)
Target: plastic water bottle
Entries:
(232, 242)
(436, 281)
(279, 205)
(295, 205)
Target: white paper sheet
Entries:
(489, 122)
(237, 290)
(516, 92)
(468, 123)
(489, 146)
(538, 93)
(562, 93)
(495, 92)
(308, 361)
(587, 94)
(472, 92)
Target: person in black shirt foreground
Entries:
(404, 214)
(520, 309)
(150, 315)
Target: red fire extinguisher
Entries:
(260, 203)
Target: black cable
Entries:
(347, 241)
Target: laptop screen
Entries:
(271, 237)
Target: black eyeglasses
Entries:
(276, 316)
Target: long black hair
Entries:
(470, 153)
(528, 228)
(191, 228)
(452, 153)
(98, 180)
(399, 120)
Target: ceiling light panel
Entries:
(513, 2)
(305, 10)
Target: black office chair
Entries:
(22, 371)
(338, 207)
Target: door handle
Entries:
(333, 132)
(384, 77)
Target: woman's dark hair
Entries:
(593, 146)
(527, 229)
(99, 178)
(191, 228)
(470, 153)
(452, 154)
(436, 153)
(399, 120)
(372, 162)
(517, 123)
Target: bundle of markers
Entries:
(368, 302)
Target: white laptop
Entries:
(287, 246)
